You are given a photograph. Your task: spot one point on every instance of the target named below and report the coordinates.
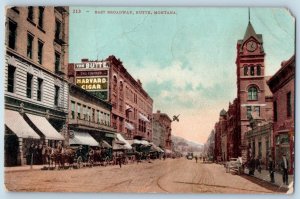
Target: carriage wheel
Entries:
(79, 162)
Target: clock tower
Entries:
(250, 69)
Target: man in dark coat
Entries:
(271, 167)
(284, 166)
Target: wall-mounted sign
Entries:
(93, 77)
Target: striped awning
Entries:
(83, 139)
(16, 123)
(144, 118)
(45, 127)
(129, 126)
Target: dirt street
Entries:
(170, 175)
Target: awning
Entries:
(104, 144)
(168, 151)
(154, 147)
(129, 126)
(121, 138)
(83, 139)
(128, 108)
(145, 143)
(144, 118)
(160, 149)
(45, 127)
(16, 123)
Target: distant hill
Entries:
(183, 145)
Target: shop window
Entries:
(11, 78)
(29, 85)
(249, 112)
(252, 93)
(39, 89)
(12, 34)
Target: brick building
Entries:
(36, 90)
(221, 137)
(161, 121)
(282, 85)
(109, 80)
(252, 92)
(89, 118)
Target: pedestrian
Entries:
(284, 166)
(257, 164)
(251, 166)
(271, 167)
(196, 159)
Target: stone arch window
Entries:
(252, 93)
(258, 70)
(252, 70)
(245, 70)
(121, 86)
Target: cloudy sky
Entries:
(186, 61)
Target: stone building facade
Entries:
(131, 104)
(162, 122)
(36, 89)
(282, 85)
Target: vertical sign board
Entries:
(93, 77)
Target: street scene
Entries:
(149, 100)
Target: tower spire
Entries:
(249, 14)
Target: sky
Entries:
(186, 60)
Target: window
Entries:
(57, 62)
(289, 104)
(41, 16)
(78, 111)
(29, 45)
(84, 112)
(102, 122)
(275, 110)
(98, 116)
(249, 112)
(12, 33)
(40, 52)
(108, 119)
(39, 89)
(93, 115)
(57, 29)
(56, 96)
(257, 110)
(29, 85)
(30, 13)
(245, 70)
(252, 70)
(11, 78)
(72, 110)
(258, 70)
(89, 114)
(252, 93)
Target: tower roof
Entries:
(250, 32)
(223, 112)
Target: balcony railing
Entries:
(102, 125)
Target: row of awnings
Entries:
(17, 124)
(130, 126)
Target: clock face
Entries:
(251, 46)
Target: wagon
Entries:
(234, 164)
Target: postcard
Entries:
(149, 99)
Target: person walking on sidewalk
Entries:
(284, 166)
(271, 167)
(196, 159)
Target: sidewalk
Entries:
(24, 168)
(264, 175)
